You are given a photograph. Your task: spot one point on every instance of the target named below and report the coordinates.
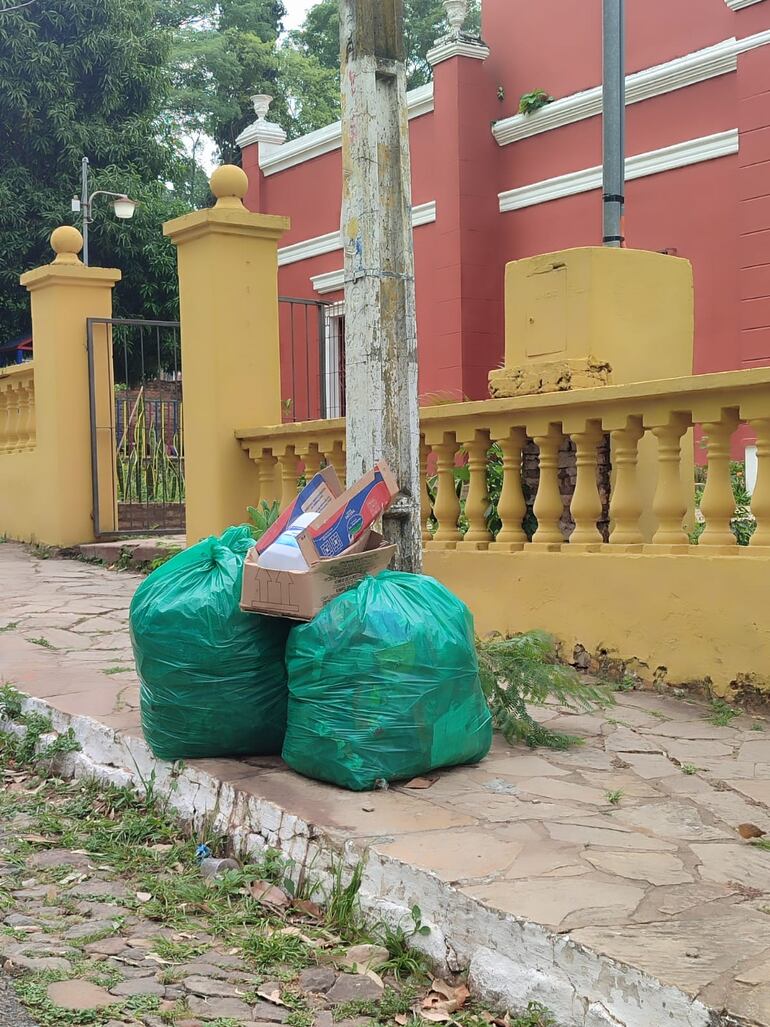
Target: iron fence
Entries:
(142, 429)
(312, 341)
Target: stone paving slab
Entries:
(608, 877)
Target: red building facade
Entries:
(491, 186)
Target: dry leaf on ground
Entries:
(273, 995)
(308, 908)
(419, 783)
(264, 891)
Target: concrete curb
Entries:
(510, 961)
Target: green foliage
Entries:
(614, 796)
(147, 471)
(10, 703)
(310, 60)
(406, 961)
(742, 523)
(524, 670)
(531, 102)
(223, 53)
(262, 516)
(722, 713)
(80, 78)
(689, 769)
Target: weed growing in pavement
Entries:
(658, 715)
(43, 642)
(406, 961)
(177, 951)
(761, 843)
(689, 768)
(614, 797)
(343, 909)
(274, 949)
(10, 702)
(722, 713)
(757, 726)
(10, 626)
(117, 670)
(628, 683)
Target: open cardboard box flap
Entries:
(300, 595)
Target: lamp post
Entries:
(123, 206)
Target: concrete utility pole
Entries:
(614, 119)
(380, 324)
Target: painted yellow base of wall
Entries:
(19, 488)
(696, 615)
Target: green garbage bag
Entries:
(384, 685)
(213, 679)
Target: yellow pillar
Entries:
(63, 295)
(228, 300)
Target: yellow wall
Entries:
(228, 296)
(687, 614)
(46, 494)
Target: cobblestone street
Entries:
(622, 850)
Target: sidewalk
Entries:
(645, 910)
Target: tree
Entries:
(223, 53)
(84, 78)
(313, 97)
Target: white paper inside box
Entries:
(300, 595)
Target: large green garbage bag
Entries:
(384, 685)
(213, 679)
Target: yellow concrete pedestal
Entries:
(596, 316)
(228, 298)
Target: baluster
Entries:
(760, 501)
(718, 502)
(512, 506)
(669, 504)
(311, 457)
(446, 509)
(266, 474)
(548, 506)
(425, 503)
(32, 421)
(586, 506)
(288, 462)
(477, 501)
(626, 501)
(336, 458)
(5, 416)
(22, 441)
(12, 422)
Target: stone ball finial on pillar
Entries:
(229, 184)
(66, 242)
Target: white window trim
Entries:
(642, 165)
(422, 214)
(325, 140)
(699, 66)
(738, 5)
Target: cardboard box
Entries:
(300, 595)
(319, 493)
(345, 521)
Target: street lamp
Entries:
(123, 206)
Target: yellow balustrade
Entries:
(17, 408)
(663, 412)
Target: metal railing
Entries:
(137, 437)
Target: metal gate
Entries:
(137, 429)
(312, 340)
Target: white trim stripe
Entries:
(680, 155)
(422, 214)
(325, 140)
(738, 5)
(643, 85)
(332, 281)
(752, 42)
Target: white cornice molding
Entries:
(262, 131)
(642, 85)
(448, 48)
(752, 42)
(325, 140)
(332, 281)
(422, 214)
(680, 155)
(738, 5)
